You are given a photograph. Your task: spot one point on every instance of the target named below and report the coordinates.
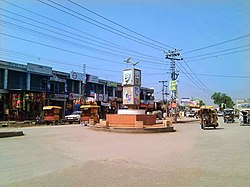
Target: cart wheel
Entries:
(202, 126)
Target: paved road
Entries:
(76, 156)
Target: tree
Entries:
(202, 103)
(222, 99)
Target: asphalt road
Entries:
(76, 156)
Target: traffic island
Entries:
(136, 127)
(11, 134)
(133, 130)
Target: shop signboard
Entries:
(74, 96)
(119, 88)
(112, 84)
(173, 105)
(172, 85)
(92, 79)
(185, 101)
(59, 97)
(77, 76)
(34, 68)
(100, 97)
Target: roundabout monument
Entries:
(132, 119)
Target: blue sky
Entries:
(185, 25)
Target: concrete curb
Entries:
(11, 134)
(133, 130)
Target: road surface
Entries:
(74, 155)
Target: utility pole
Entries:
(83, 81)
(163, 90)
(173, 56)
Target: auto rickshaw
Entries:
(52, 115)
(244, 117)
(228, 115)
(89, 112)
(208, 117)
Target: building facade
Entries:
(25, 89)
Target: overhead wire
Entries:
(216, 56)
(24, 29)
(58, 61)
(230, 49)
(110, 29)
(203, 85)
(196, 83)
(107, 19)
(71, 36)
(104, 42)
(219, 43)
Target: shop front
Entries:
(22, 105)
(59, 100)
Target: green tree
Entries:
(201, 103)
(221, 98)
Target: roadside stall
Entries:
(89, 113)
(52, 114)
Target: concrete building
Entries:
(25, 89)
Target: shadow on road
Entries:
(219, 128)
(187, 121)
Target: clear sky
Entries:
(38, 33)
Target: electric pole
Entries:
(173, 56)
(163, 90)
(84, 81)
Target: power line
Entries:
(224, 76)
(57, 61)
(61, 33)
(106, 43)
(69, 42)
(197, 84)
(197, 77)
(124, 35)
(220, 43)
(53, 47)
(118, 24)
(219, 51)
(216, 56)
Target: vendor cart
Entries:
(52, 115)
(89, 113)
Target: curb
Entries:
(134, 130)
(11, 134)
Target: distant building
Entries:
(242, 103)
